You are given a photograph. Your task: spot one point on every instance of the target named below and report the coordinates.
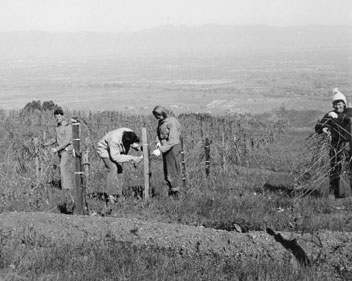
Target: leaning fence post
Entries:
(146, 164)
(76, 141)
(183, 164)
(207, 156)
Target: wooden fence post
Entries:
(207, 156)
(223, 151)
(183, 165)
(37, 164)
(146, 164)
(42, 163)
(86, 166)
(76, 141)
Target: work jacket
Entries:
(169, 132)
(339, 127)
(111, 146)
(63, 137)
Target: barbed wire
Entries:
(316, 147)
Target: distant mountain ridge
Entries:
(206, 40)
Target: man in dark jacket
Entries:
(169, 146)
(336, 125)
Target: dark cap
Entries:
(58, 110)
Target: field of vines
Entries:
(267, 170)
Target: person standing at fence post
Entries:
(169, 146)
(113, 149)
(335, 124)
(63, 146)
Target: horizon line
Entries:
(176, 26)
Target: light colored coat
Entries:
(63, 137)
(111, 146)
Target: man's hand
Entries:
(332, 114)
(156, 152)
(326, 131)
(137, 159)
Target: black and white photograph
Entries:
(174, 140)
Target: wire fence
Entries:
(271, 147)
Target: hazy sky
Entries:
(128, 15)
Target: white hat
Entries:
(338, 96)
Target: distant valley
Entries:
(215, 69)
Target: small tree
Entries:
(36, 105)
(49, 105)
(32, 106)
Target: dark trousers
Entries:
(172, 169)
(337, 156)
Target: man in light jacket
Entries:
(113, 149)
(63, 146)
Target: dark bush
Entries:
(49, 105)
(36, 105)
(32, 106)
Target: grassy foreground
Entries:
(25, 256)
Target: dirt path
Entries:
(327, 250)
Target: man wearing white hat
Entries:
(336, 125)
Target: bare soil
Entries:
(328, 251)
